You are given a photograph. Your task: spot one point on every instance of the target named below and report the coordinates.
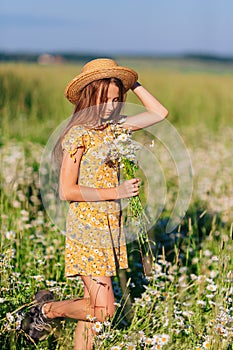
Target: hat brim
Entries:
(127, 75)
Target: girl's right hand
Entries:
(128, 188)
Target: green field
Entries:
(185, 302)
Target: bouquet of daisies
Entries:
(122, 146)
(122, 152)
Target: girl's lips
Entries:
(106, 114)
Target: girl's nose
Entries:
(110, 106)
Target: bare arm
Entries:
(69, 190)
(156, 112)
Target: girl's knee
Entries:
(104, 312)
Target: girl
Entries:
(95, 244)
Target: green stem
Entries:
(136, 211)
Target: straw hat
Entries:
(99, 69)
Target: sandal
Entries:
(35, 323)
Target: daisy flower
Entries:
(51, 283)
(39, 278)
(156, 338)
(164, 339)
(157, 268)
(131, 346)
(123, 137)
(206, 344)
(97, 327)
(201, 302)
(10, 317)
(10, 234)
(141, 335)
(91, 318)
(211, 287)
(157, 347)
(149, 341)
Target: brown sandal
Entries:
(35, 323)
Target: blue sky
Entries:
(123, 26)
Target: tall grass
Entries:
(32, 103)
(185, 301)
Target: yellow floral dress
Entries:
(95, 242)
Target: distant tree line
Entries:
(77, 57)
(33, 57)
(205, 57)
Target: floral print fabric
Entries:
(95, 242)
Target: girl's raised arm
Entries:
(156, 112)
(69, 190)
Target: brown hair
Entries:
(87, 112)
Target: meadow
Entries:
(184, 301)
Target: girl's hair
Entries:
(87, 112)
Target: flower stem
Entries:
(136, 211)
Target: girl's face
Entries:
(112, 101)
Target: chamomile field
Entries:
(179, 296)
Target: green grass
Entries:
(187, 295)
(32, 103)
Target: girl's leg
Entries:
(101, 296)
(95, 306)
(98, 305)
(83, 332)
(102, 299)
